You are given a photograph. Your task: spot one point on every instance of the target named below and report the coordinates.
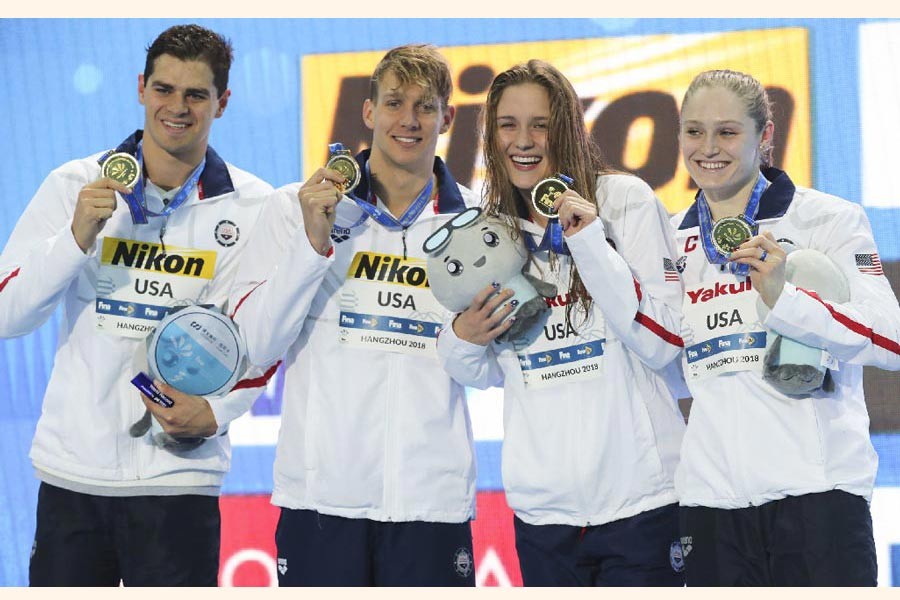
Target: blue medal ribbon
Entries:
(553, 234)
(706, 226)
(137, 203)
(370, 208)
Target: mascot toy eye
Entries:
(473, 250)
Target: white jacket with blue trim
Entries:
(365, 433)
(587, 452)
(746, 443)
(82, 441)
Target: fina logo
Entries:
(227, 233)
(462, 562)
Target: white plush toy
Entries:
(473, 250)
(790, 367)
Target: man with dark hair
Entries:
(374, 470)
(115, 505)
(192, 42)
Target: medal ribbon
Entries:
(706, 226)
(136, 202)
(553, 234)
(370, 208)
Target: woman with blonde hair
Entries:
(774, 486)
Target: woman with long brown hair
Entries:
(591, 431)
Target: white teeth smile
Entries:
(175, 125)
(525, 160)
(713, 165)
(405, 140)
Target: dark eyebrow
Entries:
(446, 258)
(484, 228)
(168, 86)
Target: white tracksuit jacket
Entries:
(746, 443)
(372, 427)
(82, 441)
(596, 438)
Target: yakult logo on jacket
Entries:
(718, 289)
(564, 299)
(388, 268)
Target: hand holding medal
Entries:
(574, 212)
(766, 260)
(343, 162)
(726, 235)
(97, 200)
(563, 207)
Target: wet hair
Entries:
(569, 146)
(748, 90)
(192, 42)
(419, 64)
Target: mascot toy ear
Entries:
(790, 367)
(473, 250)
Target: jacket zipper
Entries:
(389, 480)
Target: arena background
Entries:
(68, 88)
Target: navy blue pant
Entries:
(810, 540)
(324, 550)
(85, 540)
(638, 551)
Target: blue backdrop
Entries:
(68, 88)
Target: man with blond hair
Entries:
(374, 470)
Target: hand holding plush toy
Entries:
(790, 367)
(472, 251)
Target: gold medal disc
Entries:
(122, 167)
(545, 193)
(346, 165)
(729, 233)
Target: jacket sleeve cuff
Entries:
(453, 347)
(584, 238)
(227, 408)
(791, 310)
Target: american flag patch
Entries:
(669, 270)
(869, 264)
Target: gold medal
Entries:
(729, 233)
(344, 163)
(545, 193)
(122, 167)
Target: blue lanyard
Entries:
(706, 226)
(553, 233)
(370, 208)
(136, 200)
(552, 240)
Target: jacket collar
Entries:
(773, 204)
(214, 180)
(450, 199)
